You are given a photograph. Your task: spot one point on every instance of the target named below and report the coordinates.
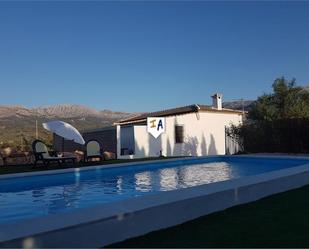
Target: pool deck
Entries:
(112, 222)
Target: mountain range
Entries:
(18, 124)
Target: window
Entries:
(179, 134)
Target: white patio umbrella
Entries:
(65, 130)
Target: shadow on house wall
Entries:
(178, 149)
(155, 145)
(212, 150)
(190, 146)
(168, 148)
(203, 146)
(140, 151)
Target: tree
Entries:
(286, 101)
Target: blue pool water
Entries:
(33, 196)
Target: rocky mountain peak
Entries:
(67, 111)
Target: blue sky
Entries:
(146, 56)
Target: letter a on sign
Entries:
(156, 126)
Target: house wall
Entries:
(204, 134)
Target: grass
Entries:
(9, 169)
(281, 220)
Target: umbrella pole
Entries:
(62, 145)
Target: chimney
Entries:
(217, 101)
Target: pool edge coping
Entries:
(85, 168)
(116, 165)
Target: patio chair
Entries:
(93, 150)
(42, 154)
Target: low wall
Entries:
(108, 223)
(105, 136)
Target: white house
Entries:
(195, 130)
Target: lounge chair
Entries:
(41, 153)
(93, 150)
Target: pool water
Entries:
(33, 196)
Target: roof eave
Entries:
(130, 122)
(226, 111)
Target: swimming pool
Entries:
(23, 198)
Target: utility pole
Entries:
(36, 129)
(21, 140)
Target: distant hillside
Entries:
(306, 88)
(17, 123)
(238, 105)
